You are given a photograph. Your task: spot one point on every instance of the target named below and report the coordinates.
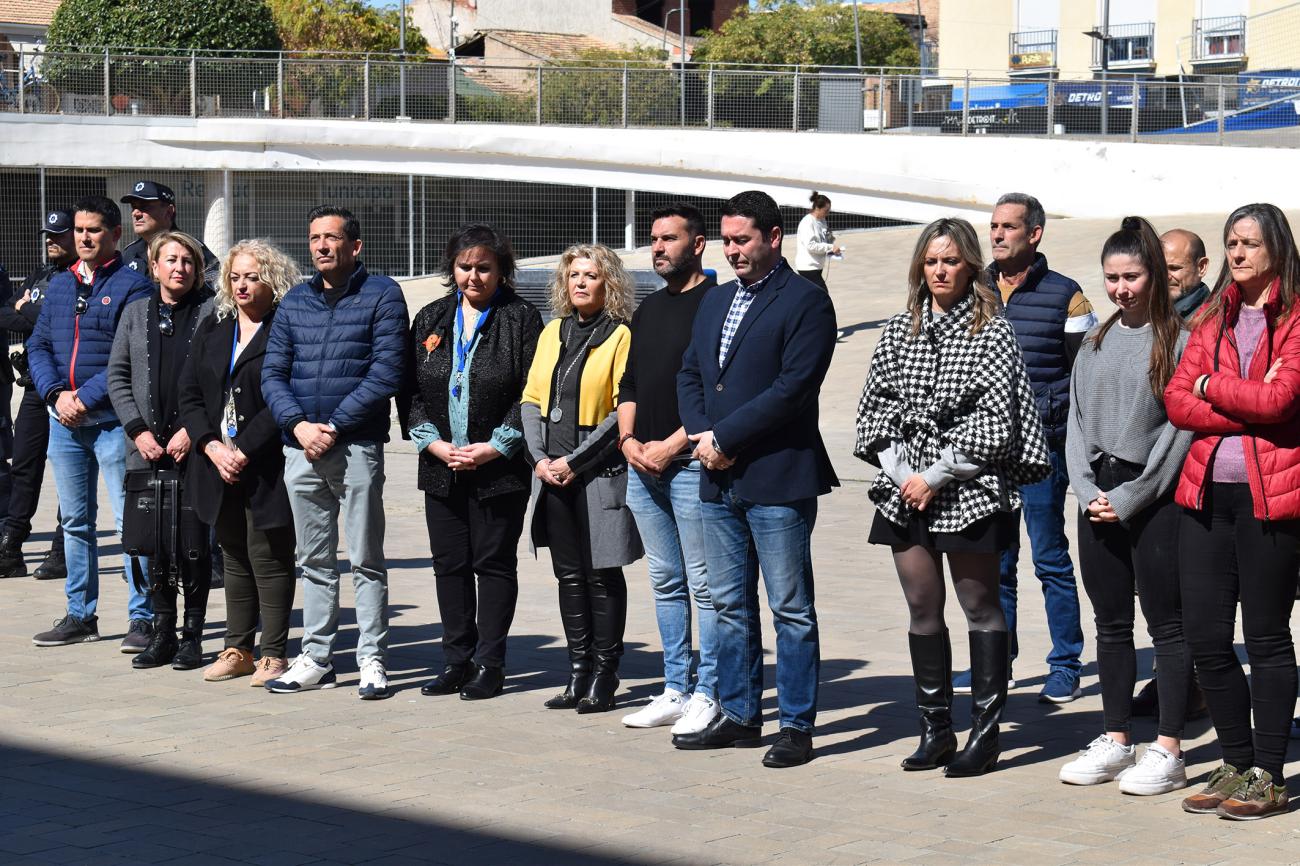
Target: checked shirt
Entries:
(946, 387)
(739, 306)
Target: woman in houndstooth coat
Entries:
(949, 417)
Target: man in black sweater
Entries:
(663, 489)
(32, 424)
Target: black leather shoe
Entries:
(189, 652)
(722, 733)
(11, 556)
(487, 682)
(793, 748)
(53, 567)
(162, 644)
(451, 680)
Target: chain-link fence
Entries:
(1245, 108)
(405, 219)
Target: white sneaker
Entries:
(1159, 772)
(302, 676)
(663, 710)
(700, 710)
(374, 680)
(1102, 761)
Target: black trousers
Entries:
(260, 577)
(1113, 559)
(1226, 556)
(815, 277)
(568, 534)
(476, 568)
(31, 442)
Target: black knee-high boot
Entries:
(608, 622)
(989, 668)
(932, 670)
(575, 614)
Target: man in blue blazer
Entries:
(748, 388)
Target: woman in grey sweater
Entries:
(1124, 458)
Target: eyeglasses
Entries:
(166, 326)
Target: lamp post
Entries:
(1103, 36)
(401, 69)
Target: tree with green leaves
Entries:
(157, 83)
(817, 33)
(342, 25)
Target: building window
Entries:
(1218, 39)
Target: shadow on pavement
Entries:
(63, 809)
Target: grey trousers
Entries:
(348, 478)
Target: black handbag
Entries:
(159, 526)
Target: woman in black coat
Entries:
(236, 476)
(472, 351)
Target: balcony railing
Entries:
(1219, 40)
(1127, 46)
(1031, 51)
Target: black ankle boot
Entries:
(579, 685)
(989, 667)
(11, 556)
(932, 670)
(604, 685)
(54, 566)
(162, 643)
(487, 682)
(451, 680)
(189, 655)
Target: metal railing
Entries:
(1031, 50)
(1216, 40)
(1127, 46)
(1241, 109)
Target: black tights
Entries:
(1227, 556)
(974, 578)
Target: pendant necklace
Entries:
(556, 412)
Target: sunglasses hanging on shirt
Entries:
(166, 326)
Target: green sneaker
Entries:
(1255, 797)
(1222, 783)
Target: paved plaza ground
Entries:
(102, 764)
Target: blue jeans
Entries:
(78, 456)
(667, 512)
(740, 538)
(1044, 512)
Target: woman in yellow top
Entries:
(580, 477)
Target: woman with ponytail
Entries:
(815, 241)
(1237, 389)
(1123, 458)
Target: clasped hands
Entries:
(916, 492)
(228, 461)
(707, 453)
(69, 408)
(460, 459)
(315, 438)
(652, 458)
(1101, 511)
(556, 473)
(177, 447)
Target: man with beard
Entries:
(663, 489)
(1187, 264)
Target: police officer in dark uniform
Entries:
(153, 211)
(31, 428)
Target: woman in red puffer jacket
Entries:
(1238, 388)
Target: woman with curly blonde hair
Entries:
(236, 476)
(580, 477)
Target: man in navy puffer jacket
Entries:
(335, 358)
(68, 358)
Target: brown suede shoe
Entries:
(233, 662)
(268, 668)
(1256, 797)
(1222, 783)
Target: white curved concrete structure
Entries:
(907, 177)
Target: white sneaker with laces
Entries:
(1102, 761)
(374, 681)
(700, 710)
(1159, 772)
(302, 676)
(663, 710)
